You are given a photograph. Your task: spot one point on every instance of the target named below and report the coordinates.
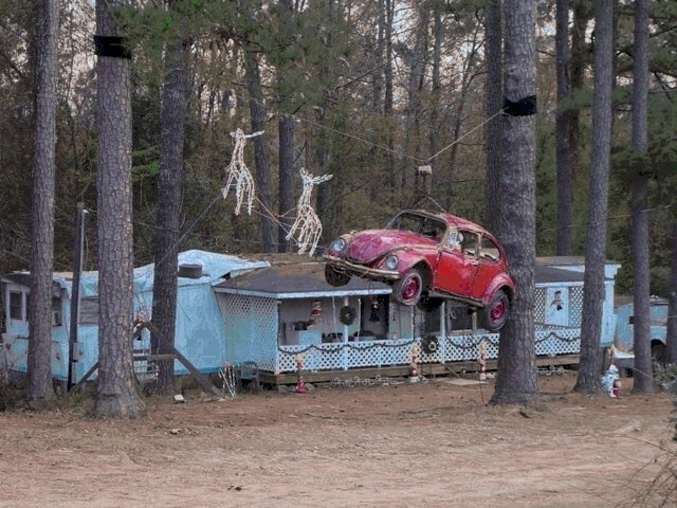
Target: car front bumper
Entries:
(362, 270)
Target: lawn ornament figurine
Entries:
(413, 366)
(238, 172)
(300, 383)
(611, 381)
(483, 361)
(316, 313)
(616, 388)
(307, 221)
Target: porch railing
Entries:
(550, 341)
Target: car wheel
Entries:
(496, 312)
(335, 277)
(407, 290)
(429, 303)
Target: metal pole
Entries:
(75, 292)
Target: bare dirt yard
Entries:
(396, 445)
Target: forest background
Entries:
(368, 91)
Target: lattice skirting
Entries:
(456, 348)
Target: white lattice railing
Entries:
(550, 341)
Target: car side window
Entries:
(489, 250)
(454, 240)
(469, 243)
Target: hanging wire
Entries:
(398, 154)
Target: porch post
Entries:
(443, 330)
(346, 354)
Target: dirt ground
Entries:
(393, 445)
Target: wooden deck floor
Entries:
(426, 369)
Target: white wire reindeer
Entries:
(237, 171)
(307, 221)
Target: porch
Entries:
(391, 358)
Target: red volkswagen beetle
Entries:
(428, 257)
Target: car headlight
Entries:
(391, 262)
(338, 245)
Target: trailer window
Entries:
(16, 308)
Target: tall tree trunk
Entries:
(579, 66)
(116, 394)
(42, 245)
(327, 208)
(262, 176)
(170, 185)
(388, 99)
(285, 127)
(588, 380)
(436, 82)
(417, 60)
(493, 104)
(642, 371)
(671, 332)
(516, 370)
(286, 180)
(377, 76)
(564, 154)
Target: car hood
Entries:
(371, 244)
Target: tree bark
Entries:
(643, 370)
(42, 245)
(286, 180)
(494, 103)
(588, 380)
(388, 99)
(417, 59)
(170, 186)
(258, 117)
(516, 368)
(434, 126)
(671, 331)
(564, 153)
(116, 394)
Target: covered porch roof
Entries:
(294, 276)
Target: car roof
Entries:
(452, 220)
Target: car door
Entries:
(489, 266)
(458, 264)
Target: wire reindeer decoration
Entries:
(238, 172)
(307, 221)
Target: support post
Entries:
(75, 292)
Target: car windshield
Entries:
(420, 224)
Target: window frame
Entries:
(12, 306)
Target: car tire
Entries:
(429, 303)
(496, 312)
(408, 289)
(334, 277)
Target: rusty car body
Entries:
(428, 257)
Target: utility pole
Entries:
(75, 291)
